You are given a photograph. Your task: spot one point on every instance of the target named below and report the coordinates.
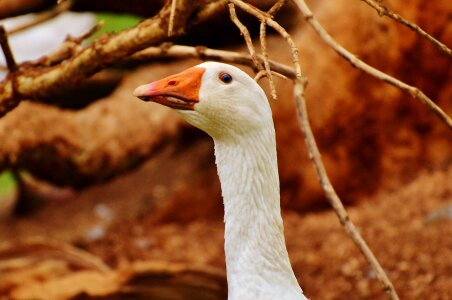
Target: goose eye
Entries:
(225, 77)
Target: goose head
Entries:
(218, 98)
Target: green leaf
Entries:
(115, 22)
(7, 183)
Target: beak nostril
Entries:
(172, 82)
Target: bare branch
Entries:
(277, 6)
(263, 39)
(264, 17)
(356, 62)
(178, 51)
(69, 48)
(262, 35)
(333, 198)
(246, 35)
(263, 73)
(87, 34)
(384, 11)
(64, 164)
(43, 16)
(104, 51)
(171, 17)
(314, 154)
(9, 57)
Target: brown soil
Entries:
(409, 229)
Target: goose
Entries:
(232, 108)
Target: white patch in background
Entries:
(44, 38)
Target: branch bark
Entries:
(40, 83)
(66, 155)
(384, 11)
(43, 16)
(179, 51)
(9, 57)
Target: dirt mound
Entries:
(409, 229)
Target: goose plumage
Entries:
(232, 108)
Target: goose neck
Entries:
(256, 257)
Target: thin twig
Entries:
(276, 7)
(314, 154)
(356, 62)
(333, 198)
(171, 17)
(384, 11)
(90, 32)
(246, 35)
(263, 40)
(262, 36)
(9, 57)
(265, 17)
(69, 48)
(179, 51)
(43, 16)
(263, 73)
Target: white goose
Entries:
(231, 107)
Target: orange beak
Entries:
(179, 91)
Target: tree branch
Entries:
(246, 36)
(178, 51)
(263, 39)
(356, 62)
(171, 17)
(43, 16)
(41, 83)
(66, 155)
(299, 86)
(333, 198)
(9, 57)
(384, 11)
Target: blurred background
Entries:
(103, 196)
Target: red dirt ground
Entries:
(409, 229)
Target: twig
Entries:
(384, 11)
(178, 51)
(43, 16)
(276, 7)
(246, 35)
(79, 39)
(314, 154)
(263, 73)
(104, 51)
(263, 40)
(171, 17)
(332, 196)
(262, 36)
(356, 62)
(9, 57)
(70, 47)
(265, 17)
